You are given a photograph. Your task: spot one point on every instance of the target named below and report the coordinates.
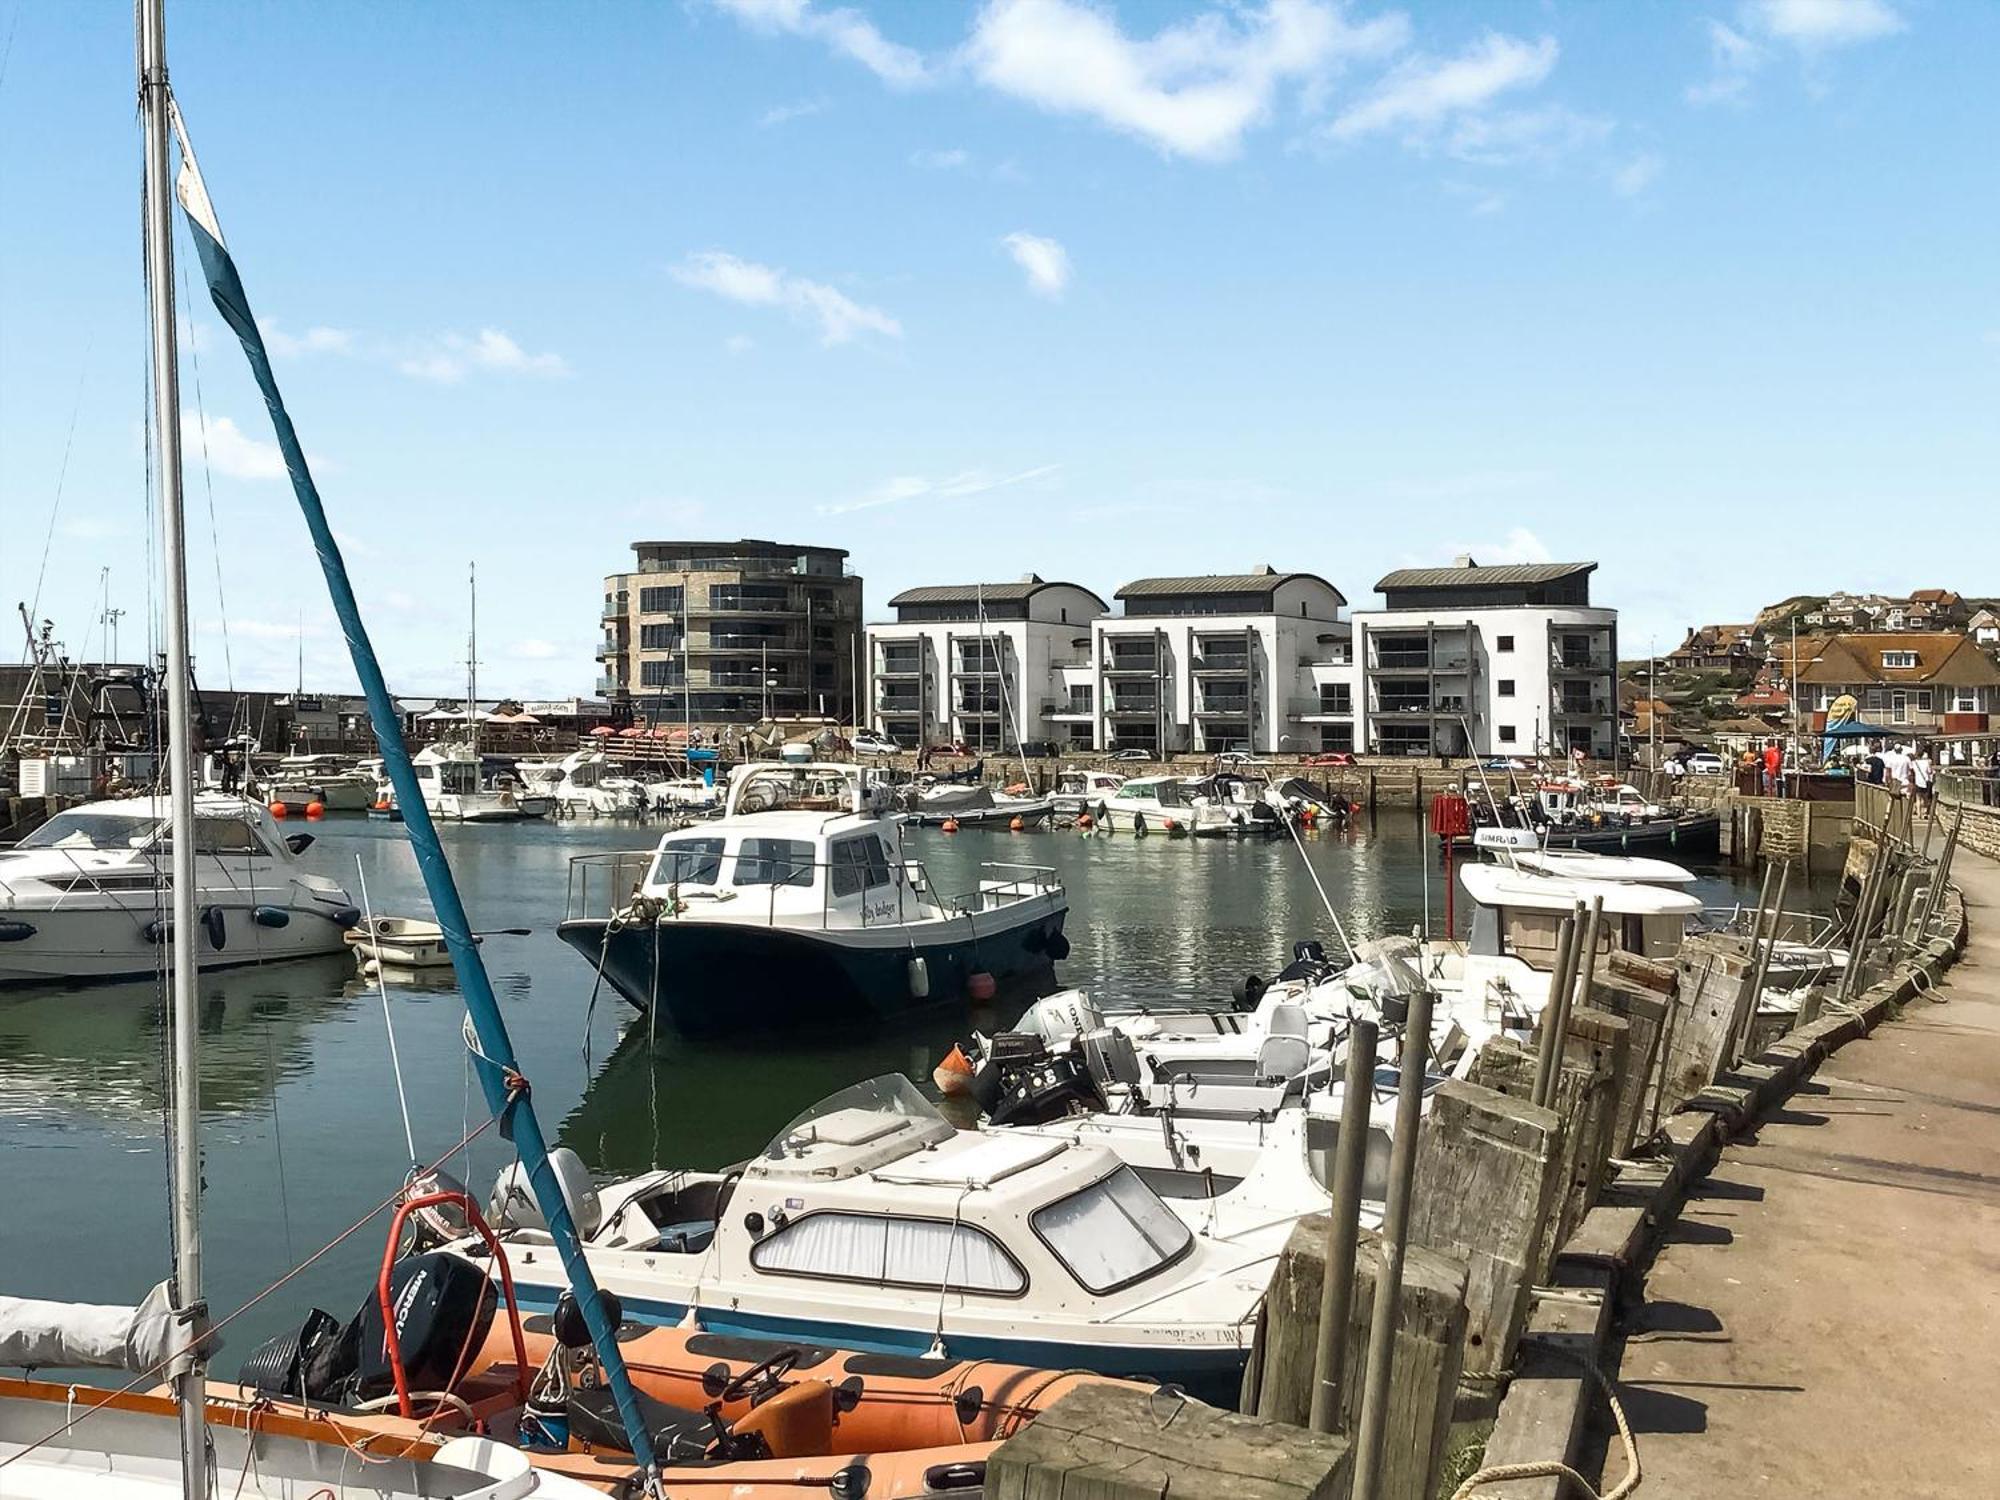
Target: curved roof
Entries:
(1263, 581)
(1016, 592)
(1475, 576)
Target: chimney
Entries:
(1464, 560)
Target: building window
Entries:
(1503, 643)
(1336, 737)
(1336, 698)
(1923, 699)
(1506, 734)
(661, 601)
(1965, 700)
(660, 674)
(657, 638)
(1899, 658)
(1506, 687)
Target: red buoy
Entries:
(1085, 820)
(1015, 825)
(950, 825)
(980, 985)
(279, 810)
(315, 810)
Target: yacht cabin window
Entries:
(80, 830)
(689, 862)
(1113, 1233)
(458, 777)
(774, 862)
(883, 1251)
(226, 836)
(858, 865)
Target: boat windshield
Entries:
(1112, 1233)
(862, 1112)
(93, 830)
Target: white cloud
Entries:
(533, 649)
(784, 114)
(450, 357)
(1523, 135)
(1520, 545)
(1732, 58)
(839, 317)
(1638, 174)
(1191, 89)
(1419, 94)
(1043, 260)
(1813, 24)
(847, 32)
(229, 449)
(955, 487)
(940, 161)
(312, 341)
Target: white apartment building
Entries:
(1255, 661)
(1465, 660)
(981, 663)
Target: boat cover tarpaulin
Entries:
(87, 1335)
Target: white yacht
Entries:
(84, 897)
(1153, 804)
(584, 781)
(870, 1223)
(799, 907)
(455, 790)
(335, 782)
(1079, 791)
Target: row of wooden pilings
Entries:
(1513, 1210)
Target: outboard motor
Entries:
(513, 1205)
(1045, 1091)
(1247, 991)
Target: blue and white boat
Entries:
(870, 1223)
(799, 907)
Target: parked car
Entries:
(867, 742)
(1239, 758)
(1132, 753)
(1039, 749)
(1328, 758)
(1503, 763)
(951, 747)
(1707, 763)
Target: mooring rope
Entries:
(1550, 1468)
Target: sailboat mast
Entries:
(472, 663)
(179, 756)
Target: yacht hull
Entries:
(81, 945)
(1693, 834)
(723, 978)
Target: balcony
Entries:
(736, 645)
(895, 704)
(606, 687)
(1220, 663)
(1132, 708)
(1128, 663)
(615, 610)
(1212, 706)
(900, 666)
(1580, 662)
(974, 668)
(1581, 708)
(1319, 711)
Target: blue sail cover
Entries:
(495, 1064)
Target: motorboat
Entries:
(800, 907)
(335, 782)
(455, 788)
(84, 897)
(386, 942)
(584, 781)
(1080, 790)
(870, 1223)
(1231, 804)
(1566, 813)
(683, 794)
(1150, 804)
(978, 807)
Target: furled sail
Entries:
(87, 1335)
(506, 1092)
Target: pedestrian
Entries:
(1774, 765)
(1877, 771)
(1897, 764)
(1923, 779)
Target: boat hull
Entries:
(1692, 834)
(724, 978)
(83, 945)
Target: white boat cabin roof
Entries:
(1582, 864)
(1533, 890)
(121, 825)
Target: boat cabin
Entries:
(1166, 791)
(1518, 912)
(845, 869)
(803, 786)
(226, 827)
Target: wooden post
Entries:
(1714, 969)
(1375, 1397)
(1547, 1050)
(1485, 1185)
(1763, 968)
(1337, 1286)
(1114, 1442)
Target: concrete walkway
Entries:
(1824, 1320)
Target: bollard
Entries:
(1763, 965)
(1548, 1049)
(1336, 1294)
(1395, 1237)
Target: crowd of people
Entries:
(1908, 769)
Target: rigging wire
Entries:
(388, 1022)
(62, 477)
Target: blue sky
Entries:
(1705, 292)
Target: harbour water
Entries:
(300, 1121)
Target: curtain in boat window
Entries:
(1113, 1232)
(908, 1252)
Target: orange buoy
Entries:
(315, 810)
(953, 1074)
(1015, 825)
(980, 985)
(1310, 815)
(950, 825)
(1170, 825)
(381, 804)
(279, 810)
(1085, 820)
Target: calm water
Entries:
(301, 1128)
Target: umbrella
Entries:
(603, 730)
(633, 733)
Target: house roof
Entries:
(1933, 596)
(1945, 657)
(1474, 576)
(1016, 592)
(1262, 581)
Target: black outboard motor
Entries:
(1247, 991)
(1046, 1090)
(443, 1307)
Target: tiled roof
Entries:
(1944, 657)
(1505, 575)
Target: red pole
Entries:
(1450, 901)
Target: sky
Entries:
(1703, 292)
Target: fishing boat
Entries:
(799, 907)
(1080, 790)
(869, 1223)
(1565, 813)
(452, 780)
(1149, 804)
(86, 897)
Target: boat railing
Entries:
(602, 885)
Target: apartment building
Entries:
(1253, 661)
(1928, 682)
(1471, 660)
(981, 663)
(733, 632)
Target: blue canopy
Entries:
(1854, 729)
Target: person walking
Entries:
(1774, 765)
(1923, 779)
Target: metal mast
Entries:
(184, 999)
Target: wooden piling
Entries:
(1559, 979)
(1343, 1224)
(1485, 1187)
